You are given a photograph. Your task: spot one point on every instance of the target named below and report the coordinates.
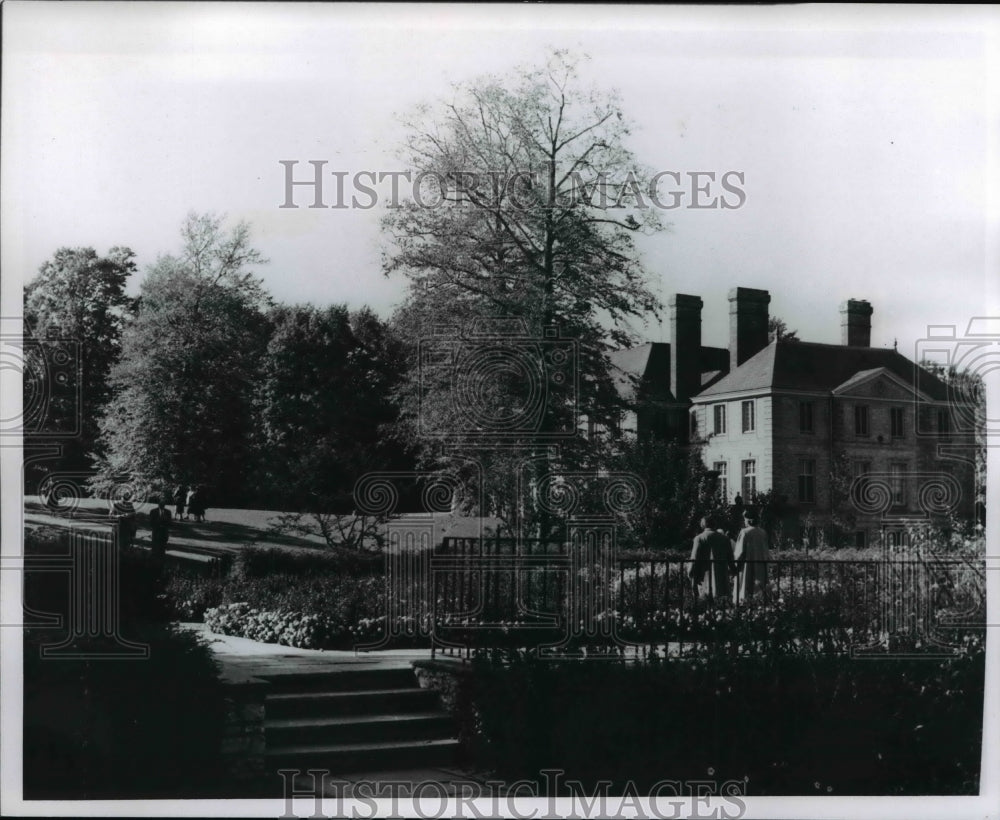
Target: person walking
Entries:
(196, 503)
(180, 499)
(752, 554)
(711, 561)
(159, 525)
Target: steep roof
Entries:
(650, 364)
(647, 365)
(789, 365)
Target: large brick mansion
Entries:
(854, 441)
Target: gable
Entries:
(877, 384)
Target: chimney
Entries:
(856, 323)
(747, 324)
(685, 345)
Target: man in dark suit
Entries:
(711, 561)
(159, 525)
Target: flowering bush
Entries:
(274, 626)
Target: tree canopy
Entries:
(75, 312)
(182, 391)
(520, 241)
(325, 411)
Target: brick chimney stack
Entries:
(856, 323)
(747, 324)
(685, 345)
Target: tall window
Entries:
(749, 480)
(897, 482)
(719, 418)
(749, 422)
(805, 417)
(896, 421)
(943, 422)
(722, 468)
(860, 420)
(807, 481)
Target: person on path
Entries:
(180, 499)
(159, 525)
(711, 561)
(752, 554)
(196, 503)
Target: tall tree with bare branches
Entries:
(526, 205)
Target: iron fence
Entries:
(487, 593)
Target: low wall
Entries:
(243, 742)
(454, 681)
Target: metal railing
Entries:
(498, 592)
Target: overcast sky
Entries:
(864, 136)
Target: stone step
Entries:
(342, 680)
(368, 702)
(354, 757)
(427, 725)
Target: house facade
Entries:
(851, 443)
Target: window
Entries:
(748, 417)
(722, 468)
(805, 417)
(895, 538)
(861, 420)
(749, 480)
(897, 483)
(896, 421)
(694, 425)
(719, 415)
(807, 481)
(943, 422)
(860, 539)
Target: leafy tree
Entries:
(679, 489)
(778, 329)
(325, 415)
(75, 311)
(525, 220)
(968, 391)
(182, 391)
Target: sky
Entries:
(867, 138)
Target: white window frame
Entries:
(719, 419)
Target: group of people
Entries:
(188, 503)
(720, 567)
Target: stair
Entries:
(355, 720)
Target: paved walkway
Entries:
(242, 657)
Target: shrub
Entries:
(275, 626)
(261, 562)
(187, 597)
(792, 725)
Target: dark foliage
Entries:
(115, 727)
(789, 725)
